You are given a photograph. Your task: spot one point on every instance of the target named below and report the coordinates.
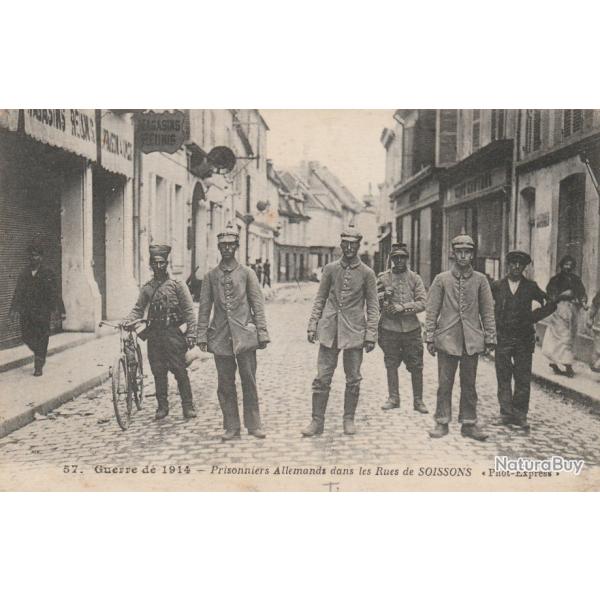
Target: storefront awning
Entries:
(71, 129)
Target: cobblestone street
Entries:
(85, 432)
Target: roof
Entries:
(335, 186)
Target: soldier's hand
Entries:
(191, 342)
(203, 347)
(431, 348)
(312, 336)
(369, 346)
(262, 345)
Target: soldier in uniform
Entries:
(36, 297)
(401, 295)
(238, 328)
(460, 325)
(338, 322)
(169, 306)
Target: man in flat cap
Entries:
(513, 297)
(338, 322)
(401, 296)
(237, 329)
(37, 295)
(460, 326)
(169, 306)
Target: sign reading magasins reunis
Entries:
(161, 132)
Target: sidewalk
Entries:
(76, 363)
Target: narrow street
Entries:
(85, 432)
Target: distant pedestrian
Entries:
(338, 322)
(513, 297)
(237, 329)
(568, 290)
(169, 305)
(460, 326)
(258, 269)
(593, 322)
(402, 296)
(266, 273)
(37, 295)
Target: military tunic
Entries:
(169, 306)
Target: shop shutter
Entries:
(30, 206)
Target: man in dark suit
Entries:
(36, 297)
(515, 318)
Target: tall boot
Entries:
(163, 408)
(38, 364)
(350, 404)
(417, 386)
(393, 389)
(319, 405)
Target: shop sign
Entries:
(116, 143)
(67, 128)
(161, 132)
(542, 220)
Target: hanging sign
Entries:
(161, 132)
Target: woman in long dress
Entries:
(568, 290)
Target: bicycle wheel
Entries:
(138, 377)
(121, 392)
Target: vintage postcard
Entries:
(302, 300)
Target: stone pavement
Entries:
(85, 431)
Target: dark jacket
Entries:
(562, 282)
(37, 295)
(514, 315)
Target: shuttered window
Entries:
(572, 121)
(533, 130)
(498, 124)
(476, 141)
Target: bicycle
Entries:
(127, 373)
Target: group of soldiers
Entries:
(352, 312)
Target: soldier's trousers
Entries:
(401, 347)
(227, 393)
(513, 361)
(447, 365)
(35, 333)
(166, 352)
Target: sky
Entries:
(346, 141)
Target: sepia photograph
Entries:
(306, 300)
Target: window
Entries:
(572, 121)
(533, 130)
(476, 141)
(498, 124)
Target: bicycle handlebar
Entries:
(129, 324)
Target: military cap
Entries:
(161, 250)
(463, 241)
(351, 234)
(518, 255)
(399, 249)
(229, 234)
